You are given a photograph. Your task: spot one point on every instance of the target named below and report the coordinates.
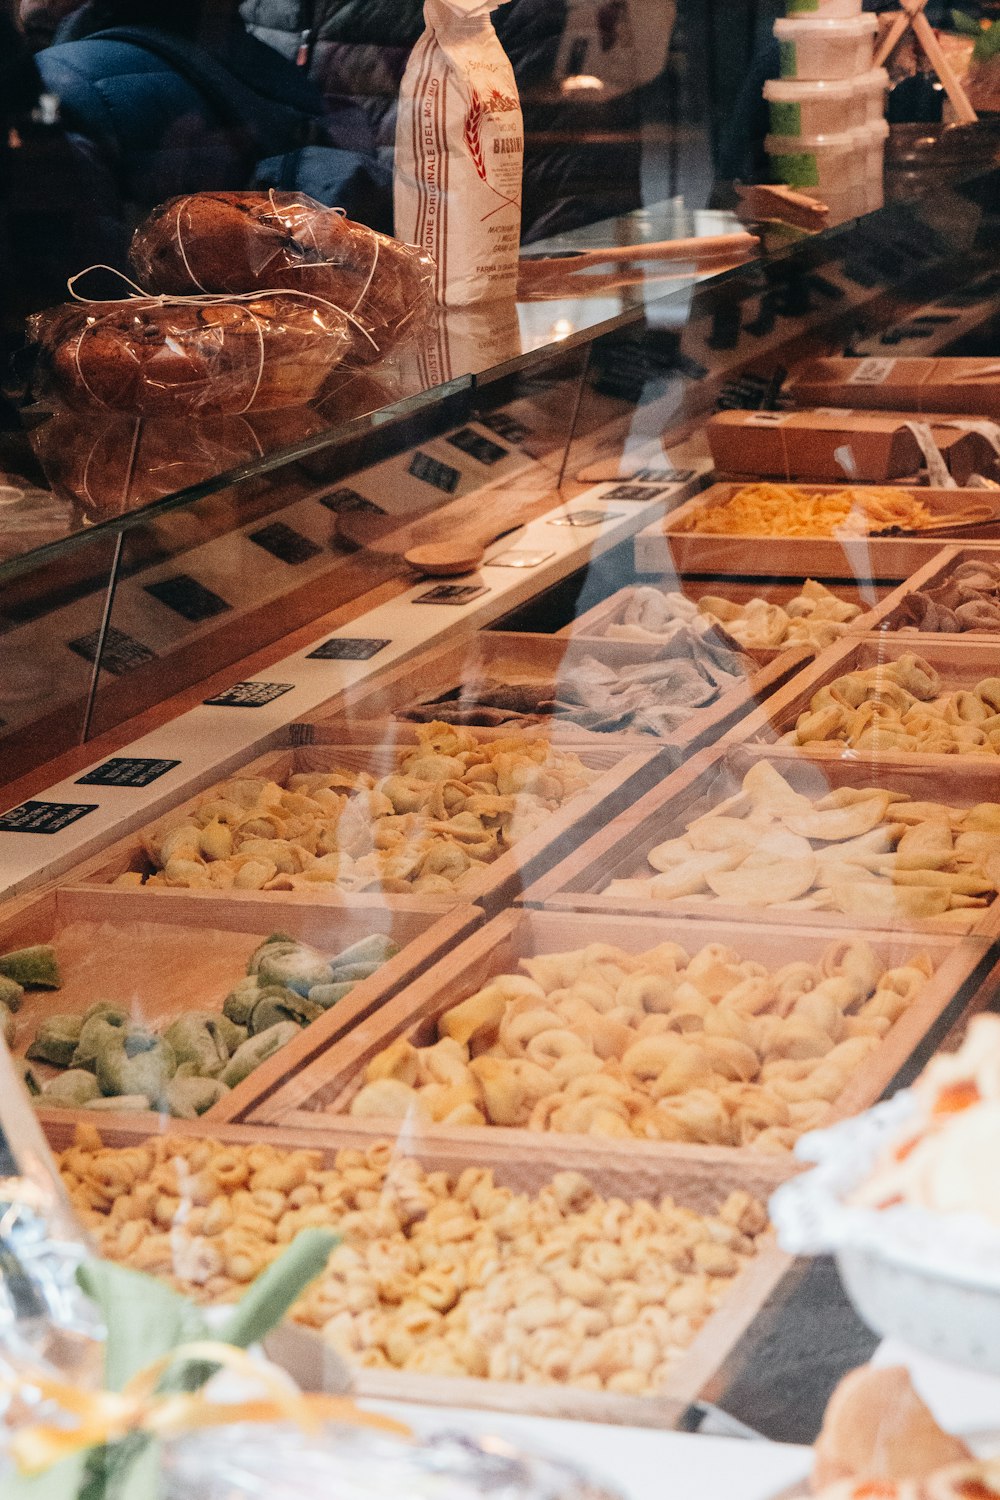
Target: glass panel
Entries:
(212, 581)
(103, 467)
(51, 622)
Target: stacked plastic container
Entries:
(828, 127)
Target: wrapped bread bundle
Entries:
(157, 357)
(247, 242)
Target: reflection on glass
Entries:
(52, 620)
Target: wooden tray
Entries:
(961, 663)
(888, 614)
(695, 1179)
(619, 850)
(332, 1080)
(623, 775)
(163, 959)
(594, 622)
(662, 547)
(517, 654)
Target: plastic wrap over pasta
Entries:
(162, 357)
(246, 242)
(284, 1464)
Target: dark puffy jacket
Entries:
(582, 160)
(162, 131)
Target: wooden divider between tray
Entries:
(537, 656)
(961, 664)
(697, 1178)
(139, 949)
(329, 1083)
(624, 773)
(661, 547)
(619, 849)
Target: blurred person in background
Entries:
(58, 205)
(176, 96)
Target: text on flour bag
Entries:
(459, 154)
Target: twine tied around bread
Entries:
(199, 299)
(207, 299)
(342, 213)
(334, 264)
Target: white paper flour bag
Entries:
(459, 154)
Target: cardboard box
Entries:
(831, 444)
(969, 387)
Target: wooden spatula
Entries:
(760, 201)
(697, 249)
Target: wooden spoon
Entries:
(451, 540)
(450, 559)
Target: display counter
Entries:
(518, 924)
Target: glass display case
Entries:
(505, 805)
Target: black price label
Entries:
(476, 446)
(669, 475)
(132, 770)
(44, 817)
(287, 545)
(348, 499)
(634, 492)
(187, 597)
(249, 694)
(119, 653)
(505, 426)
(451, 593)
(348, 648)
(646, 484)
(432, 471)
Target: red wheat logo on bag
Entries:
(496, 104)
(459, 154)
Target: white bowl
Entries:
(949, 1319)
(932, 1280)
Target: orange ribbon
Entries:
(108, 1416)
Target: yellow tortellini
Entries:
(708, 1047)
(453, 804)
